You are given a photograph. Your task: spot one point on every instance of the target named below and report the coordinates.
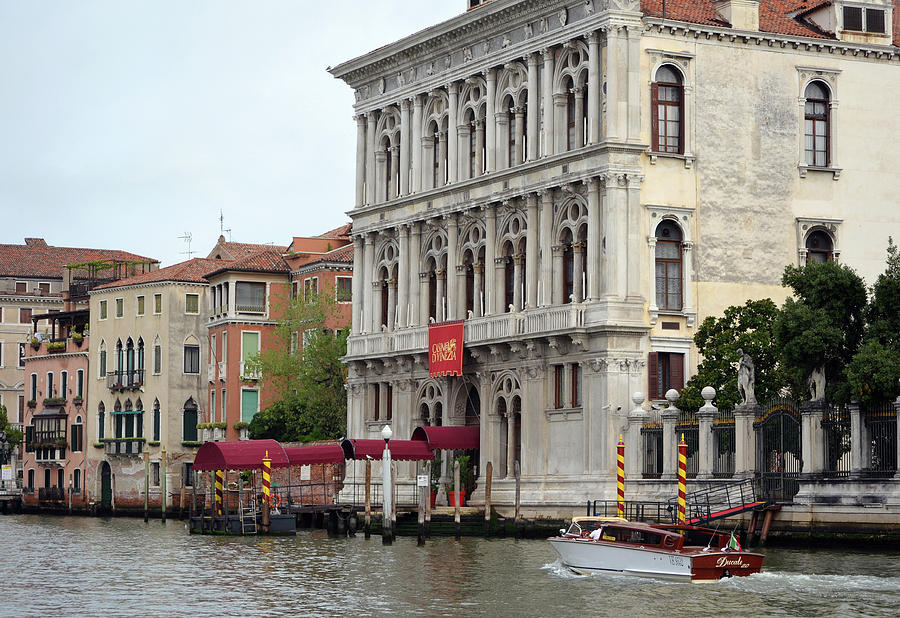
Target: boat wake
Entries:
(558, 569)
(766, 581)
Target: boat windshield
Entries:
(574, 530)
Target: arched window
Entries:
(816, 113)
(120, 359)
(140, 359)
(819, 247)
(101, 361)
(156, 419)
(101, 421)
(667, 111)
(129, 362)
(189, 421)
(668, 266)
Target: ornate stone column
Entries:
(517, 280)
(376, 307)
(594, 235)
(670, 440)
(443, 160)
(479, 147)
(413, 268)
(811, 437)
(744, 452)
(403, 274)
(707, 447)
(613, 82)
(478, 290)
(578, 272)
(579, 114)
(687, 289)
(546, 291)
(501, 120)
(360, 160)
(631, 236)
(460, 292)
(858, 440)
(381, 181)
(465, 165)
(490, 129)
(395, 172)
(359, 256)
(416, 149)
(490, 252)
(500, 284)
(561, 127)
(452, 263)
(424, 299)
(533, 139)
(547, 81)
(370, 157)
(593, 93)
(634, 451)
(510, 444)
(633, 105)
(405, 142)
(441, 295)
(531, 249)
(392, 304)
(654, 309)
(453, 153)
(558, 285)
(520, 134)
(365, 289)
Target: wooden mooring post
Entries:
(368, 525)
(456, 499)
(162, 483)
(488, 473)
(428, 499)
(146, 486)
(423, 496)
(518, 518)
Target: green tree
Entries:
(13, 436)
(822, 325)
(748, 327)
(305, 371)
(874, 372)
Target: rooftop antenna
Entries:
(187, 238)
(222, 228)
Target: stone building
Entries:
(146, 391)
(582, 182)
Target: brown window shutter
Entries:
(681, 120)
(654, 117)
(652, 371)
(676, 371)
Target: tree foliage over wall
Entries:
(829, 322)
(305, 371)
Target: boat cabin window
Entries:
(629, 535)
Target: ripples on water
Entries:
(88, 566)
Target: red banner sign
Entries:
(445, 348)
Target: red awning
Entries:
(240, 455)
(401, 450)
(451, 438)
(315, 454)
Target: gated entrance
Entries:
(779, 455)
(105, 486)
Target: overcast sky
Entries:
(125, 124)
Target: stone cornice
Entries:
(324, 266)
(461, 189)
(31, 300)
(151, 284)
(770, 39)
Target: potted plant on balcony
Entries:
(77, 338)
(56, 346)
(77, 400)
(35, 343)
(60, 443)
(31, 403)
(54, 401)
(244, 429)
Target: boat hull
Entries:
(585, 556)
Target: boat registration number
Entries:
(679, 561)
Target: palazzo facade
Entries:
(581, 182)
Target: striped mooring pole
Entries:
(267, 491)
(219, 487)
(620, 478)
(682, 479)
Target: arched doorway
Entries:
(105, 486)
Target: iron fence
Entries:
(838, 439)
(652, 446)
(779, 450)
(723, 444)
(881, 440)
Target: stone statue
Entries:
(816, 383)
(746, 378)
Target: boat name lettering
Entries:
(725, 562)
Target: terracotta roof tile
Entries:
(38, 259)
(338, 232)
(269, 260)
(189, 271)
(341, 254)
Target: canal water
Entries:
(123, 567)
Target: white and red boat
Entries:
(680, 553)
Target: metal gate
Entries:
(105, 486)
(779, 455)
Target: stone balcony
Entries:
(543, 322)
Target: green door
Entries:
(105, 485)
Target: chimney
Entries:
(741, 14)
(39, 243)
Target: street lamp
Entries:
(386, 523)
